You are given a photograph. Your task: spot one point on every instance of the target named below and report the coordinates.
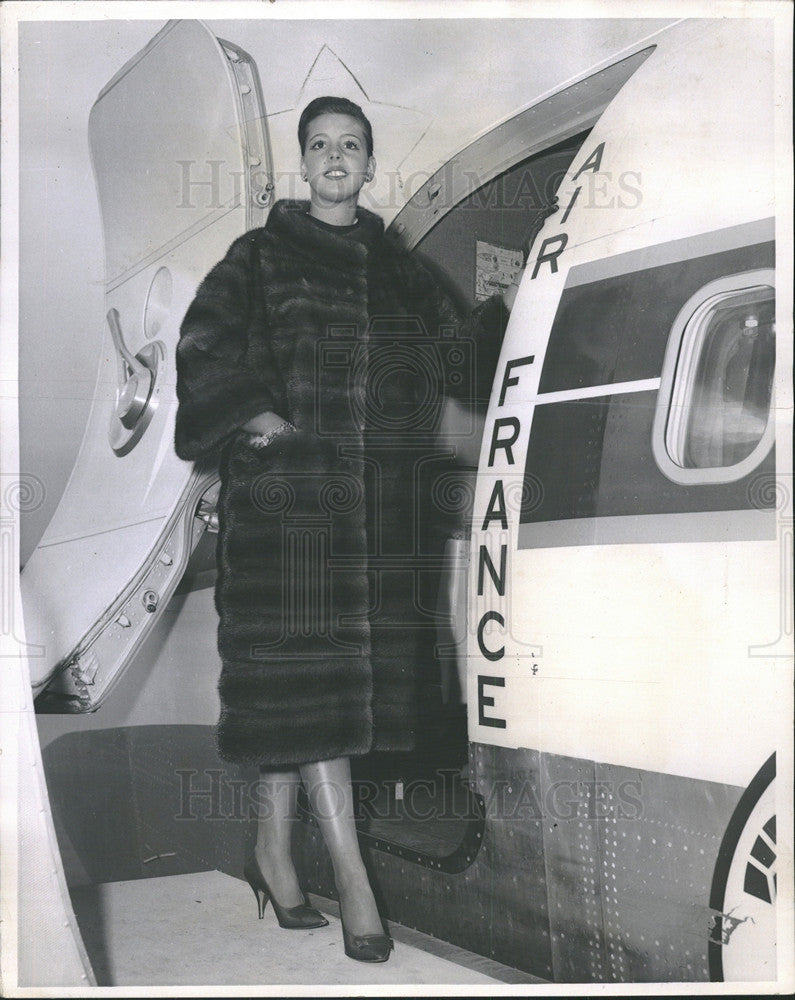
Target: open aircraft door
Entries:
(182, 166)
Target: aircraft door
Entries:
(182, 167)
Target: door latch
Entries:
(136, 398)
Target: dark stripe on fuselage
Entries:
(590, 472)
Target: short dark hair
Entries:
(333, 106)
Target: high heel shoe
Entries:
(301, 917)
(366, 947)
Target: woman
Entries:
(303, 360)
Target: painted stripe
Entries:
(732, 238)
(697, 526)
(591, 391)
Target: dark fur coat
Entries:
(330, 538)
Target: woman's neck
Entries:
(342, 214)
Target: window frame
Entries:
(685, 343)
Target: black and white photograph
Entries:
(396, 498)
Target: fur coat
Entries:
(329, 537)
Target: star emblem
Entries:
(396, 132)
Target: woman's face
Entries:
(335, 161)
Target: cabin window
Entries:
(714, 409)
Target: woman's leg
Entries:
(328, 785)
(277, 792)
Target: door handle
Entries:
(136, 399)
(135, 379)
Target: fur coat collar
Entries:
(289, 220)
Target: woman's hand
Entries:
(263, 423)
(509, 295)
(540, 218)
(265, 427)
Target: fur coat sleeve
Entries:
(481, 331)
(484, 330)
(222, 371)
(218, 386)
